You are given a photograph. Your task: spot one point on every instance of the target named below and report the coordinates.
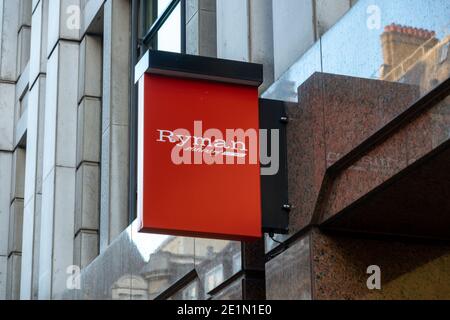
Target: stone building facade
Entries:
(67, 151)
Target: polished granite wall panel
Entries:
(409, 270)
(305, 152)
(440, 122)
(356, 108)
(335, 114)
(429, 130)
(402, 148)
(288, 275)
(419, 137)
(366, 173)
(414, 203)
(323, 266)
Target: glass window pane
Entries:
(169, 36)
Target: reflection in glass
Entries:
(216, 261)
(408, 43)
(285, 88)
(129, 287)
(414, 56)
(214, 277)
(193, 291)
(237, 262)
(141, 266)
(231, 292)
(166, 259)
(149, 10)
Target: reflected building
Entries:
(130, 287)
(414, 56)
(215, 261)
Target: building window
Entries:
(149, 13)
(157, 25)
(213, 278)
(162, 25)
(191, 292)
(236, 262)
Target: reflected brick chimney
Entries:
(400, 44)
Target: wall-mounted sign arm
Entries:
(274, 176)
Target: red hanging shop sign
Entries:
(198, 148)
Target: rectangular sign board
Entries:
(198, 155)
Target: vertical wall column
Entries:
(15, 224)
(9, 23)
(23, 36)
(59, 154)
(35, 136)
(248, 35)
(18, 160)
(321, 266)
(87, 193)
(114, 213)
(201, 34)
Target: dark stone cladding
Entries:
(368, 165)
(335, 114)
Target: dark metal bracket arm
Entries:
(274, 188)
